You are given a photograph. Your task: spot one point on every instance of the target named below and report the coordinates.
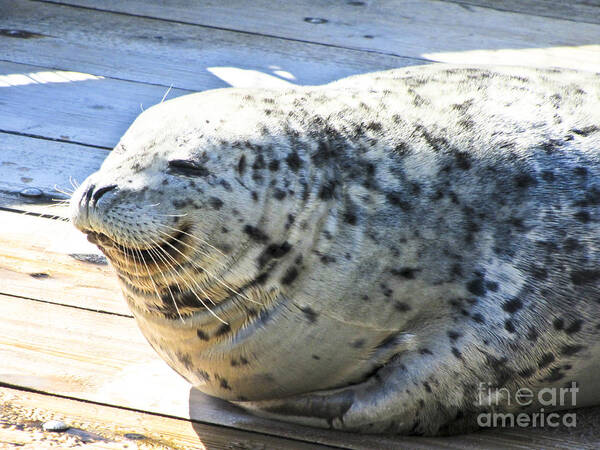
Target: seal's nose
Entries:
(92, 195)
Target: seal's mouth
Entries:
(171, 249)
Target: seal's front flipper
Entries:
(415, 393)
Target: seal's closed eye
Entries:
(187, 167)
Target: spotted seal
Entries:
(363, 255)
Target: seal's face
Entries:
(156, 208)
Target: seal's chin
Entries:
(170, 251)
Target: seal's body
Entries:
(393, 252)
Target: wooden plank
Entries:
(185, 56)
(101, 426)
(77, 353)
(36, 171)
(575, 10)
(51, 261)
(95, 111)
(440, 31)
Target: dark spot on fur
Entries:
(310, 314)
(476, 287)
(425, 351)
(454, 335)
(582, 216)
(569, 350)
(326, 259)
(456, 353)
(574, 327)
(223, 329)
(477, 317)
(584, 276)
(405, 272)
(427, 386)
(374, 126)
(585, 131)
(555, 375)
(290, 276)
(259, 162)
(525, 180)
(241, 167)
(546, 360)
(512, 306)
(571, 244)
(327, 190)
(279, 194)
(558, 323)
(202, 335)
(274, 165)
(548, 175)
(255, 234)
(395, 199)
(316, 357)
(509, 326)
(223, 383)
(401, 306)
(215, 202)
(273, 251)
(350, 217)
(293, 161)
(179, 203)
(463, 160)
(359, 343)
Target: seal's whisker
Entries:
(216, 278)
(161, 248)
(166, 93)
(201, 252)
(153, 282)
(174, 270)
(64, 191)
(171, 215)
(195, 237)
(166, 284)
(74, 183)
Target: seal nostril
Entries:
(85, 199)
(100, 192)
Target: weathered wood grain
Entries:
(51, 261)
(160, 52)
(575, 10)
(93, 111)
(440, 31)
(105, 426)
(52, 168)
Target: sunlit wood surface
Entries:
(73, 76)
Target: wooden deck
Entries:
(73, 76)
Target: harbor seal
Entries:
(396, 252)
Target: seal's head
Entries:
(162, 206)
(212, 216)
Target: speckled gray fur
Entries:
(374, 248)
